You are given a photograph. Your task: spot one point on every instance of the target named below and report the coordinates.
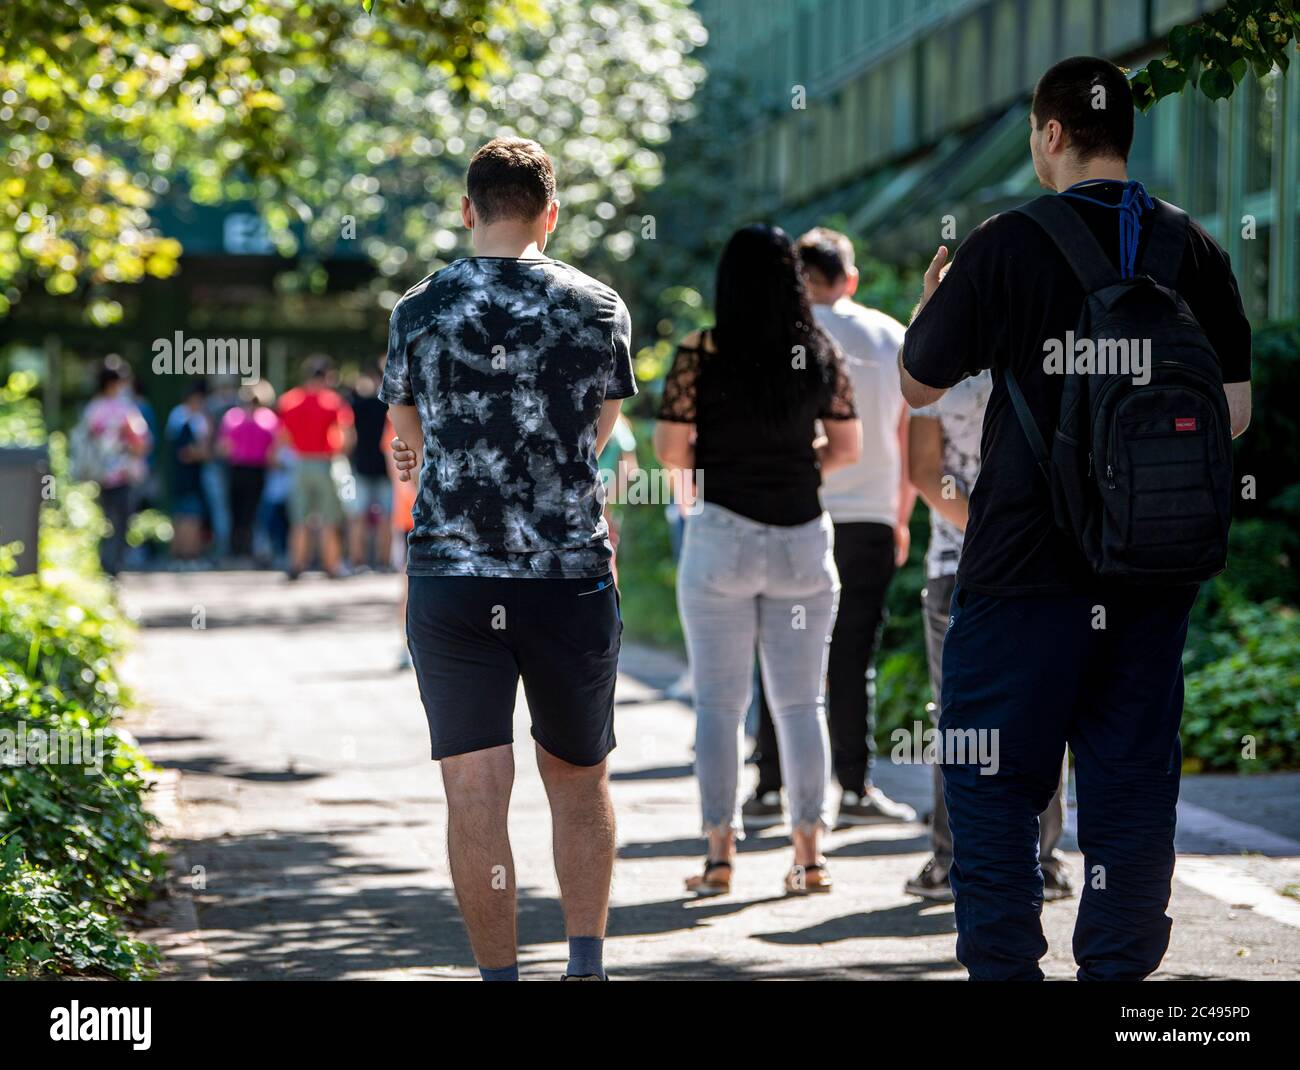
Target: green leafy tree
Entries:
(1214, 54)
(338, 124)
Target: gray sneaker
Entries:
(873, 807)
(763, 811)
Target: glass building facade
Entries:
(895, 114)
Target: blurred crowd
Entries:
(248, 479)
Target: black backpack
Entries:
(1140, 475)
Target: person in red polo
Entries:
(317, 426)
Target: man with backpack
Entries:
(1112, 324)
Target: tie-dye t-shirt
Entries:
(508, 362)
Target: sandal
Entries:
(811, 879)
(706, 883)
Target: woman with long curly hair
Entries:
(741, 409)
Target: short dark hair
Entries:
(1093, 102)
(827, 251)
(510, 178)
(113, 370)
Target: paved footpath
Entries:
(312, 821)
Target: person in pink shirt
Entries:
(247, 441)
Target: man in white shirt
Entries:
(870, 503)
(944, 461)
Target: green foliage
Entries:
(597, 84)
(103, 100)
(1268, 455)
(902, 672)
(150, 526)
(21, 423)
(76, 838)
(646, 575)
(338, 125)
(46, 930)
(1243, 643)
(1251, 693)
(1214, 54)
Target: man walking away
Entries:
(317, 425)
(870, 503)
(505, 373)
(943, 460)
(1041, 651)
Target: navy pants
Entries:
(1022, 678)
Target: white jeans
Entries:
(743, 583)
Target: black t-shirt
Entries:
(508, 363)
(767, 475)
(1009, 290)
(369, 413)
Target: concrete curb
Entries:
(172, 920)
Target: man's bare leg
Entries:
(582, 840)
(478, 788)
(331, 549)
(299, 547)
(357, 539)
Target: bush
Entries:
(1243, 710)
(75, 849)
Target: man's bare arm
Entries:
(408, 445)
(916, 393)
(1239, 406)
(609, 411)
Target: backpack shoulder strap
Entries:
(1028, 424)
(1163, 256)
(1078, 244)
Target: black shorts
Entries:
(473, 637)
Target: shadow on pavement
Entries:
(877, 848)
(219, 766)
(673, 915)
(663, 772)
(298, 617)
(910, 919)
(712, 970)
(694, 847)
(292, 906)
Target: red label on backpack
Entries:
(1185, 423)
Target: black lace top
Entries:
(770, 476)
